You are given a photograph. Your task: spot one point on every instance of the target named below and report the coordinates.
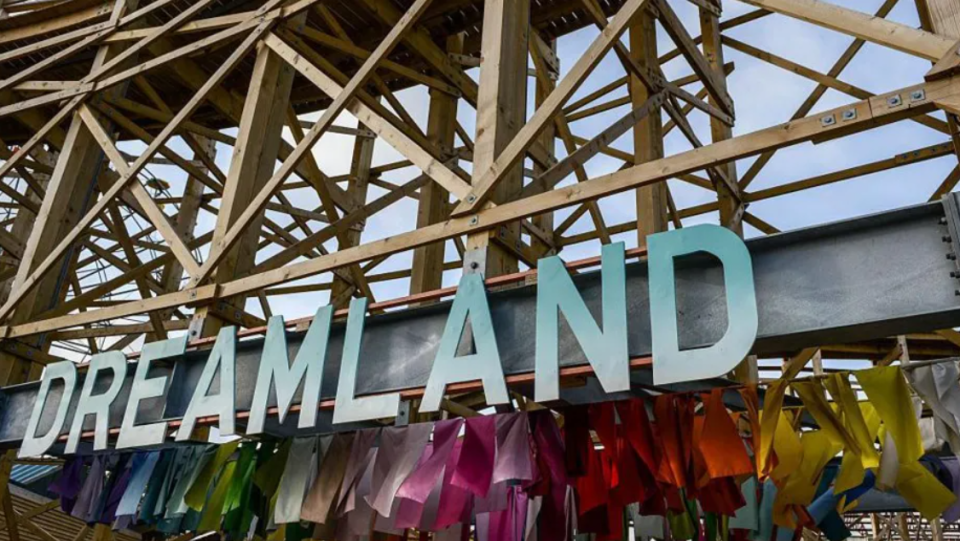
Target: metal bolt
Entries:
(917, 95)
(474, 265)
(849, 114)
(956, 292)
(474, 220)
(471, 198)
(894, 101)
(952, 257)
(945, 238)
(828, 120)
(954, 274)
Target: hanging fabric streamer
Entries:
(720, 442)
(323, 493)
(888, 391)
(400, 449)
(475, 468)
(294, 481)
(419, 484)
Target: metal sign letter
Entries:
(606, 349)
(484, 365)
(132, 434)
(33, 445)
(223, 356)
(670, 365)
(348, 408)
(97, 405)
(275, 370)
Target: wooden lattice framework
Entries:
(97, 252)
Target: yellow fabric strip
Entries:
(786, 443)
(811, 393)
(197, 495)
(853, 419)
(772, 411)
(923, 491)
(889, 394)
(801, 485)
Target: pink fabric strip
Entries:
(475, 469)
(553, 511)
(455, 502)
(418, 485)
(409, 512)
(514, 459)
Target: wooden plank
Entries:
(562, 130)
(426, 271)
(651, 201)
(890, 34)
(501, 111)
(703, 67)
(483, 185)
(32, 276)
(225, 242)
(869, 114)
(156, 216)
(810, 102)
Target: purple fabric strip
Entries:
(109, 513)
(475, 468)
(400, 449)
(90, 493)
(514, 457)
(418, 485)
(508, 524)
(495, 500)
(68, 485)
(454, 501)
(952, 514)
(359, 519)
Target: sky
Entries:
(764, 95)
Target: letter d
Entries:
(670, 365)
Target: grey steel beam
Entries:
(865, 278)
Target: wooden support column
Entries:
(24, 220)
(187, 213)
(427, 270)
(731, 208)
(648, 133)
(357, 187)
(547, 138)
(72, 188)
(501, 113)
(253, 162)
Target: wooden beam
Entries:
(701, 63)
(869, 114)
(501, 111)
(861, 25)
(491, 175)
(651, 201)
(426, 271)
(33, 276)
(811, 101)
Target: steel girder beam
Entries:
(859, 279)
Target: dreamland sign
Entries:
(604, 343)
